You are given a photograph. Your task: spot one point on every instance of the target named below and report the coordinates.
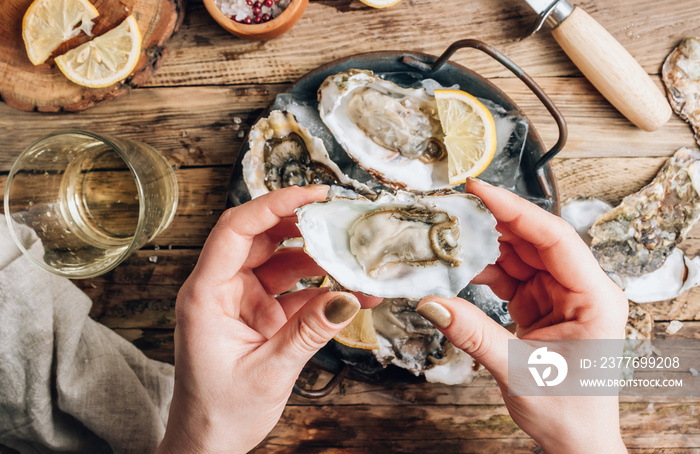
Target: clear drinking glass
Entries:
(90, 200)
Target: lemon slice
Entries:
(360, 332)
(380, 3)
(106, 59)
(48, 23)
(470, 134)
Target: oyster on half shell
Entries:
(681, 75)
(283, 153)
(403, 245)
(637, 236)
(409, 341)
(392, 132)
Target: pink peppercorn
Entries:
(266, 17)
(247, 20)
(256, 11)
(257, 19)
(269, 3)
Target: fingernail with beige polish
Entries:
(317, 186)
(341, 308)
(436, 314)
(478, 181)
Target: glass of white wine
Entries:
(78, 203)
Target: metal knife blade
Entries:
(540, 6)
(605, 62)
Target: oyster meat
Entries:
(392, 132)
(283, 153)
(637, 236)
(681, 75)
(409, 341)
(403, 245)
(405, 338)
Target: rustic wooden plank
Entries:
(133, 306)
(190, 126)
(685, 307)
(454, 428)
(433, 445)
(195, 126)
(155, 343)
(596, 128)
(202, 53)
(480, 446)
(610, 179)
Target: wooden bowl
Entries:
(263, 31)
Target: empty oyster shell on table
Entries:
(392, 132)
(681, 75)
(402, 245)
(284, 153)
(637, 236)
(582, 213)
(633, 238)
(677, 275)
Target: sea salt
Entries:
(239, 10)
(674, 326)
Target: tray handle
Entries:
(326, 390)
(527, 80)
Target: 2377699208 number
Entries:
(659, 362)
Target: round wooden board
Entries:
(43, 87)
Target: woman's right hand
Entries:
(556, 291)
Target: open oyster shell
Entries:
(409, 341)
(403, 245)
(405, 338)
(637, 236)
(582, 213)
(392, 132)
(677, 275)
(681, 75)
(284, 153)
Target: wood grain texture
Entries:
(612, 70)
(202, 102)
(450, 428)
(196, 126)
(44, 88)
(205, 54)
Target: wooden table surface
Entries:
(202, 102)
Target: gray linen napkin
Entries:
(68, 383)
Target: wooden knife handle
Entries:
(612, 70)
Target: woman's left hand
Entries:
(239, 348)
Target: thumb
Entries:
(311, 328)
(470, 329)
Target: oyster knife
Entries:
(605, 62)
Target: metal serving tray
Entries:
(533, 179)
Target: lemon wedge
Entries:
(48, 23)
(380, 3)
(105, 60)
(360, 333)
(470, 134)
